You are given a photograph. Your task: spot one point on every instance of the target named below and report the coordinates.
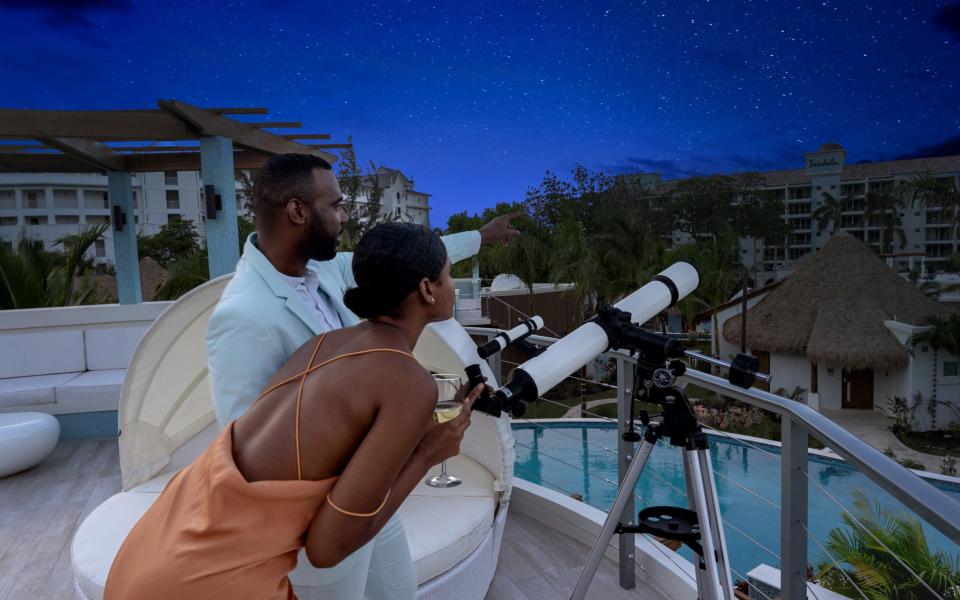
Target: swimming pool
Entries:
(541, 448)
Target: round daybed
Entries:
(166, 419)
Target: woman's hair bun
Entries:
(363, 302)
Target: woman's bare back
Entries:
(339, 404)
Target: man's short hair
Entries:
(281, 178)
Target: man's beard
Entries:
(319, 245)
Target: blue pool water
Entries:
(540, 450)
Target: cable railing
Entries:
(797, 422)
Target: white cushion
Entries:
(91, 391)
(111, 347)
(25, 440)
(445, 525)
(99, 537)
(467, 512)
(31, 391)
(41, 353)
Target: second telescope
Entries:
(543, 372)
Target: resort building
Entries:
(398, 200)
(928, 235)
(834, 335)
(50, 206)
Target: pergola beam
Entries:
(101, 125)
(307, 136)
(258, 110)
(135, 163)
(91, 151)
(207, 123)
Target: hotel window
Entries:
(136, 199)
(873, 236)
(65, 199)
(8, 200)
(800, 224)
(800, 193)
(7, 221)
(800, 239)
(951, 368)
(173, 199)
(95, 199)
(97, 219)
(170, 178)
(34, 199)
(776, 194)
(852, 189)
(100, 249)
(851, 222)
(876, 186)
(66, 219)
(35, 220)
(799, 209)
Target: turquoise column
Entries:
(216, 168)
(120, 193)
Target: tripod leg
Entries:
(713, 574)
(716, 523)
(627, 486)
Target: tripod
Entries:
(698, 526)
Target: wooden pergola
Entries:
(176, 136)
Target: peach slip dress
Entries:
(213, 534)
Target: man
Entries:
(288, 287)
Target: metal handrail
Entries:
(797, 421)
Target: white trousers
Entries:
(382, 569)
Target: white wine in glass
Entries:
(449, 405)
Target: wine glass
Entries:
(449, 405)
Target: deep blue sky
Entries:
(476, 100)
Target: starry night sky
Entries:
(476, 100)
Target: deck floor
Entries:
(41, 508)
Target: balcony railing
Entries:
(797, 422)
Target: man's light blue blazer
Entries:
(260, 321)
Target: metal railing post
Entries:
(625, 454)
(793, 510)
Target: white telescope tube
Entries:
(581, 345)
(505, 338)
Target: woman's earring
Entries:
(433, 300)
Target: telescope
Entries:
(506, 338)
(613, 327)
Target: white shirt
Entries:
(307, 288)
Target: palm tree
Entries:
(943, 333)
(883, 209)
(927, 191)
(33, 278)
(862, 546)
(828, 211)
(189, 270)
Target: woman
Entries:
(326, 455)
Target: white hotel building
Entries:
(929, 237)
(50, 206)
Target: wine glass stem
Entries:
(443, 469)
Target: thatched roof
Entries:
(833, 308)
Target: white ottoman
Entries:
(26, 438)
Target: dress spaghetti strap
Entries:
(303, 378)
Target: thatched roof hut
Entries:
(833, 308)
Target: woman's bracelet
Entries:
(353, 514)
